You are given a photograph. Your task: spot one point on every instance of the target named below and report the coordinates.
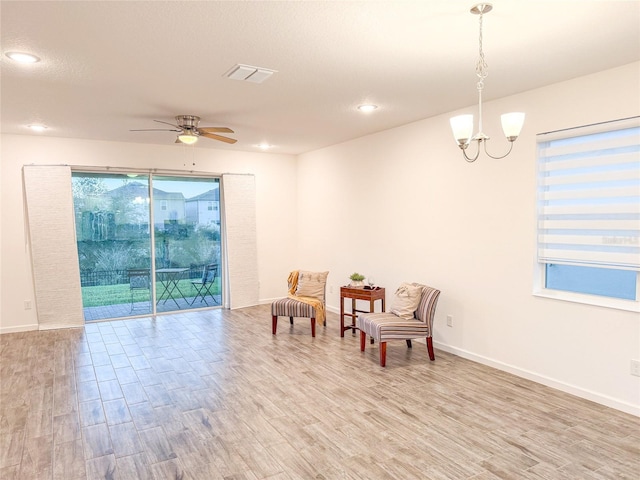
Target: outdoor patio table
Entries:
(170, 278)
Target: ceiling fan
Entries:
(188, 130)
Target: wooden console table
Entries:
(358, 293)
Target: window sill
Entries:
(607, 302)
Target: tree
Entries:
(84, 187)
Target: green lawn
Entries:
(116, 294)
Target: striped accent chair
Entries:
(291, 307)
(387, 326)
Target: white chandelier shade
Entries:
(512, 125)
(462, 127)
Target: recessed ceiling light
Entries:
(367, 108)
(264, 146)
(37, 127)
(22, 57)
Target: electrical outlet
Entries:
(635, 368)
(27, 304)
(449, 320)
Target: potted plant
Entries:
(356, 280)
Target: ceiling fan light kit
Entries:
(462, 125)
(189, 132)
(187, 138)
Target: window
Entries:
(589, 214)
(163, 205)
(210, 206)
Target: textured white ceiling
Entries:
(111, 66)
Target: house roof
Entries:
(109, 67)
(137, 189)
(209, 196)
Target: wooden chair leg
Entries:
(409, 343)
(313, 327)
(432, 355)
(363, 340)
(383, 354)
(274, 324)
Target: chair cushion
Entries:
(406, 300)
(311, 284)
(289, 307)
(387, 326)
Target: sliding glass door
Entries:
(186, 226)
(146, 244)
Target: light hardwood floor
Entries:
(213, 395)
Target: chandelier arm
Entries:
(469, 159)
(498, 158)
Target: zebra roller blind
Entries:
(589, 195)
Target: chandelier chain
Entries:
(481, 66)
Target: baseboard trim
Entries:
(549, 382)
(265, 301)
(21, 328)
(58, 326)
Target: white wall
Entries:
(403, 205)
(275, 193)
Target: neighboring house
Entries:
(168, 207)
(204, 209)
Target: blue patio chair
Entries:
(203, 285)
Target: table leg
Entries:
(341, 316)
(159, 293)
(177, 287)
(353, 314)
(171, 286)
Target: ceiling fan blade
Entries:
(155, 130)
(215, 130)
(218, 137)
(167, 123)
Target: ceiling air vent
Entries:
(249, 73)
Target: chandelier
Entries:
(462, 125)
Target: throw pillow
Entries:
(311, 284)
(406, 300)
